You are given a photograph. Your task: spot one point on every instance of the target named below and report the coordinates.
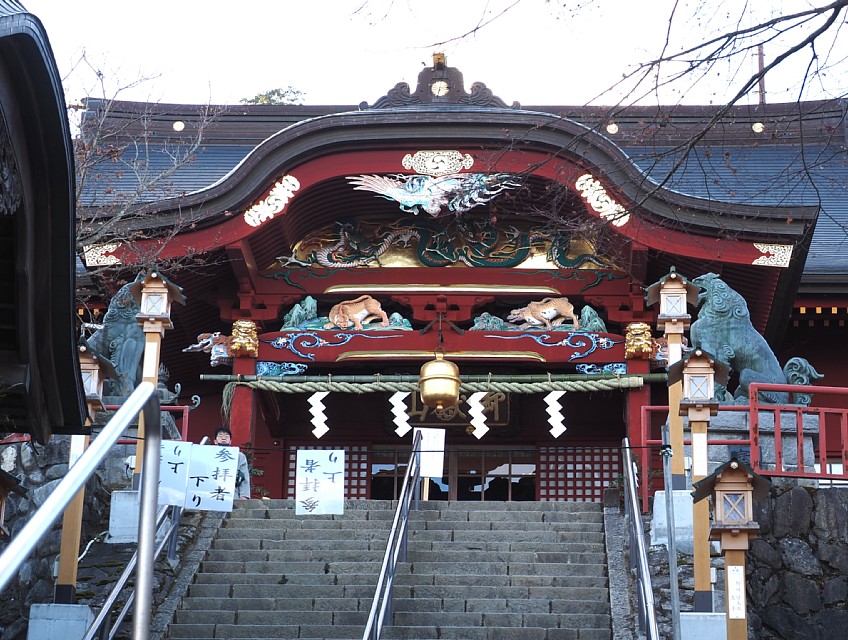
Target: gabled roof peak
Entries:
(439, 85)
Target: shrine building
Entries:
(327, 253)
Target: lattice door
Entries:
(576, 474)
(357, 464)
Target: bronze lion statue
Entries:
(724, 329)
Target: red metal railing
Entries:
(829, 438)
(183, 409)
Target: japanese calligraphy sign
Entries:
(197, 477)
(432, 452)
(320, 482)
(735, 592)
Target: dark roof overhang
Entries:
(39, 368)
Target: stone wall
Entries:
(797, 570)
(41, 468)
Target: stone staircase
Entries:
(475, 571)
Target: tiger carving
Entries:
(547, 313)
(362, 310)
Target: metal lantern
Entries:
(439, 383)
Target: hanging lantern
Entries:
(439, 383)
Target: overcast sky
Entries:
(349, 51)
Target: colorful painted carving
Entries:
(304, 316)
(216, 345)
(470, 242)
(638, 342)
(452, 193)
(244, 341)
(547, 313)
(362, 310)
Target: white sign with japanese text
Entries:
(319, 482)
(735, 592)
(432, 452)
(197, 477)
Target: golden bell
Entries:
(438, 383)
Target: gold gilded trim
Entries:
(438, 288)
(452, 355)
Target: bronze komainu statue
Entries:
(724, 329)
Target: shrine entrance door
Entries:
(470, 474)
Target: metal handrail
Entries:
(145, 399)
(381, 606)
(96, 628)
(638, 549)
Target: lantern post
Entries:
(698, 371)
(94, 368)
(732, 489)
(154, 294)
(673, 292)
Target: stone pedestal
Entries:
(684, 522)
(123, 517)
(66, 621)
(702, 626)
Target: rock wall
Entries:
(797, 570)
(41, 468)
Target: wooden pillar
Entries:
(734, 582)
(154, 330)
(66, 582)
(674, 335)
(703, 597)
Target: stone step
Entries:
(236, 543)
(488, 571)
(240, 508)
(493, 603)
(285, 632)
(349, 554)
(417, 556)
(259, 591)
(289, 568)
(565, 527)
(560, 569)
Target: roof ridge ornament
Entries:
(442, 85)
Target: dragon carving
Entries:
(474, 243)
